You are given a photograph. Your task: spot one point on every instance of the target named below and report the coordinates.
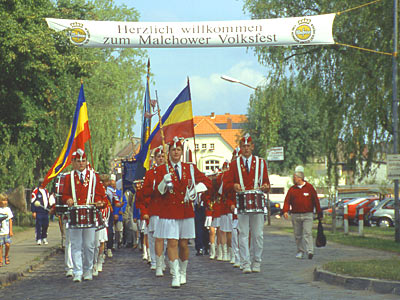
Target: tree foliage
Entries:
(39, 86)
(354, 86)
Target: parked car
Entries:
(367, 205)
(339, 204)
(275, 208)
(351, 207)
(383, 214)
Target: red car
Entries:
(352, 205)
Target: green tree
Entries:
(39, 86)
(354, 86)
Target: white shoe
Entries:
(182, 271)
(212, 251)
(69, 273)
(38, 242)
(148, 255)
(299, 255)
(236, 264)
(95, 271)
(159, 266)
(176, 281)
(100, 267)
(153, 266)
(77, 278)
(45, 242)
(256, 268)
(144, 253)
(109, 253)
(247, 270)
(88, 277)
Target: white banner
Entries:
(313, 30)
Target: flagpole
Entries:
(194, 135)
(162, 131)
(90, 140)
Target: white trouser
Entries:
(235, 242)
(302, 227)
(152, 239)
(67, 248)
(96, 246)
(82, 247)
(253, 223)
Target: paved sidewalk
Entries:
(25, 254)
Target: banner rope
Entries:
(361, 48)
(357, 7)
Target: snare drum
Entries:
(61, 209)
(82, 216)
(250, 202)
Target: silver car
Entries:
(383, 214)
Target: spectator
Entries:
(6, 232)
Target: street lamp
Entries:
(230, 79)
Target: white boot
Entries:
(219, 252)
(232, 255)
(144, 252)
(100, 266)
(174, 266)
(164, 266)
(225, 254)
(159, 263)
(212, 251)
(182, 270)
(148, 255)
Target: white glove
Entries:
(162, 187)
(208, 221)
(200, 187)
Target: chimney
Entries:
(213, 115)
(229, 123)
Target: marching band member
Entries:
(82, 187)
(249, 172)
(156, 245)
(225, 229)
(144, 220)
(178, 184)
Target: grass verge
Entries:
(17, 229)
(388, 269)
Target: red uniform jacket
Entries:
(232, 176)
(172, 204)
(141, 202)
(302, 200)
(152, 199)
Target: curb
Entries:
(358, 283)
(9, 277)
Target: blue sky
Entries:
(203, 66)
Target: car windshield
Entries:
(389, 205)
(383, 202)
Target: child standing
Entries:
(5, 229)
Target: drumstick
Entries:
(37, 204)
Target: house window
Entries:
(197, 146)
(212, 165)
(203, 146)
(212, 147)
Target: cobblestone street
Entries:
(126, 276)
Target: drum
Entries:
(250, 202)
(61, 209)
(82, 216)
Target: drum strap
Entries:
(261, 173)
(92, 186)
(240, 173)
(256, 175)
(73, 187)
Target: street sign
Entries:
(275, 154)
(393, 166)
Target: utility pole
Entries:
(395, 118)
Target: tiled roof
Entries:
(206, 125)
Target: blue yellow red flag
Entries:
(78, 134)
(177, 121)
